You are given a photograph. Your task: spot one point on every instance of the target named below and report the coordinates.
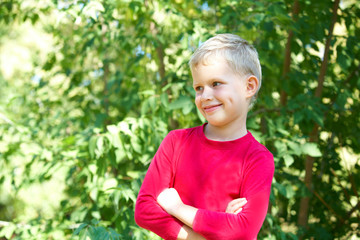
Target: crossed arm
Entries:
(172, 219)
(171, 202)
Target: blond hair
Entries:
(241, 56)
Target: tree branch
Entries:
(309, 162)
(324, 63)
(327, 205)
(348, 215)
(341, 186)
(159, 51)
(287, 58)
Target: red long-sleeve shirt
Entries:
(207, 175)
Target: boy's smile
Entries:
(222, 96)
(211, 108)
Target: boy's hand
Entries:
(169, 200)
(235, 206)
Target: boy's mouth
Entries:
(211, 108)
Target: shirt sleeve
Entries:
(256, 186)
(148, 213)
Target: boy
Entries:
(212, 181)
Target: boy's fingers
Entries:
(235, 206)
(239, 210)
(236, 201)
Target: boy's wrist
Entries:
(185, 213)
(176, 209)
(170, 201)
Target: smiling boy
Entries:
(212, 181)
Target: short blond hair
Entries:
(241, 56)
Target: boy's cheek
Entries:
(197, 103)
(200, 110)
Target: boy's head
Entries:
(241, 57)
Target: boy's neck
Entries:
(226, 133)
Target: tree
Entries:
(86, 113)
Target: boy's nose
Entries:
(206, 94)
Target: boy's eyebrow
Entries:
(196, 84)
(210, 80)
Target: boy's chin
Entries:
(215, 124)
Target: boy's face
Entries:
(221, 95)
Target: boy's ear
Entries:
(252, 85)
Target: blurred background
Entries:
(88, 90)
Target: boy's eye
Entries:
(216, 84)
(198, 88)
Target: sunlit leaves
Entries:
(285, 189)
(183, 102)
(311, 149)
(97, 108)
(289, 160)
(93, 9)
(8, 231)
(95, 232)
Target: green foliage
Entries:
(86, 103)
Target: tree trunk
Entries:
(309, 162)
(159, 47)
(287, 58)
(173, 124)
(104, 29)
(159, 51)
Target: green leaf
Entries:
(96, 214)
(311, 149)
(113, 136)
(283, 131)
(78, 230)
(280, 146)
(344, 61)
(290, 193)
(119, 155)
(289, 160)
(318, 117)
(92, 9)
(92, 146)
(99, 150)
(152, 103)
(100, 233)
(78, 215)
(128, 194)
(95, 221)
(181, 102)
(295, 147)
(164, 100)
(114, 235)
(112, 129)
(285, 189)
(280, 188)
(298, 116)
(7, 231)
(84, 234)
(187, 108)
